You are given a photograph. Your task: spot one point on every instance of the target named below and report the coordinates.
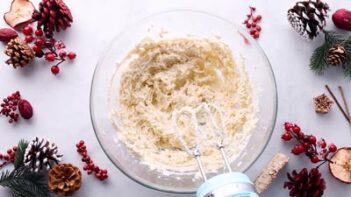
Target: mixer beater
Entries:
(230, 184)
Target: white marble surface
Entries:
(61, 103)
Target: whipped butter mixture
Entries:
(158, 77)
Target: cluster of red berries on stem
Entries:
(251, 23)
(48, 47)
(316, 151)
(89, 166)
(9, 106)
(9, 157)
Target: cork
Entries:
(270, 172)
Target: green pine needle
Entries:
(24, 183)
(19, 156)
(317, 61)
(347, 63)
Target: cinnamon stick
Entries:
(337, 103)
(345, 103)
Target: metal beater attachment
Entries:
(207, 111)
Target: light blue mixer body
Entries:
(232, 184)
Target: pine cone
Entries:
(336, 55)
(64, 179)
(41, 155)
(305, 184)
(53, 15)
(19, 52)
(308, 18)
(322, 104)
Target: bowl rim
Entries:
(139, 21)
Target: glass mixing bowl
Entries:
(180, 23)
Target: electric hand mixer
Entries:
(231, 184)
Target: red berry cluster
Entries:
(251, 23)
(316, 151)
(9, 157)
(89, 166)
(47, 47)
(9, 106)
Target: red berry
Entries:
(256, 35)
(312, 139)
(27, 30)
(39, 42)
(248, 25)
(63, 54)
(50, 56)
(71, 55)
(301, 135)
(252, 32)
(38, 32)
(288, 126)
(55, 69)
(36, 48)
(91, 165)
(258, 28)
(296, 129)
(28, 38)
(307, 145)
(257, 18)
(254, 25)
(332, 148)
(6, 157)
(1, 156)
(315, 159)
(286, 136)
(322, 143)
(298, 149)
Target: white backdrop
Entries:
(61, 103)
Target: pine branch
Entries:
(347, 63)
(332, 37)
(19, 157)
(317, 61)
(24, 183)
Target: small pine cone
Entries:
(64, 179)
(322, 104)
(53, 15)
(308, 18)
(19, 52)
(336, 55)
(305, 183)
(41, 155)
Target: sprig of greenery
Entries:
(318, 63)
(19, 156)
(318, 59)
(24, 183)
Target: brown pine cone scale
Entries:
(336, 55)
(64, 179)
(19, 52)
